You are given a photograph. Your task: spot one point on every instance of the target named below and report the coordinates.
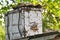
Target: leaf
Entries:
(0, 22)
(27, 0)
(18, 1)
(58, 13)
(2, 33)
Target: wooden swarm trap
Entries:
(25, 23)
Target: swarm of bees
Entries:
(34, 27)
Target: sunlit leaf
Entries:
(0, 22)
(18, 1)
(58, 13)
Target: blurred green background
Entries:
(50, 13)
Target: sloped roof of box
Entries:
(22, 5)
(27, 5)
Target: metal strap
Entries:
(18, 23)
(8, 27)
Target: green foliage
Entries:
(2, 33)
(53, 14)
